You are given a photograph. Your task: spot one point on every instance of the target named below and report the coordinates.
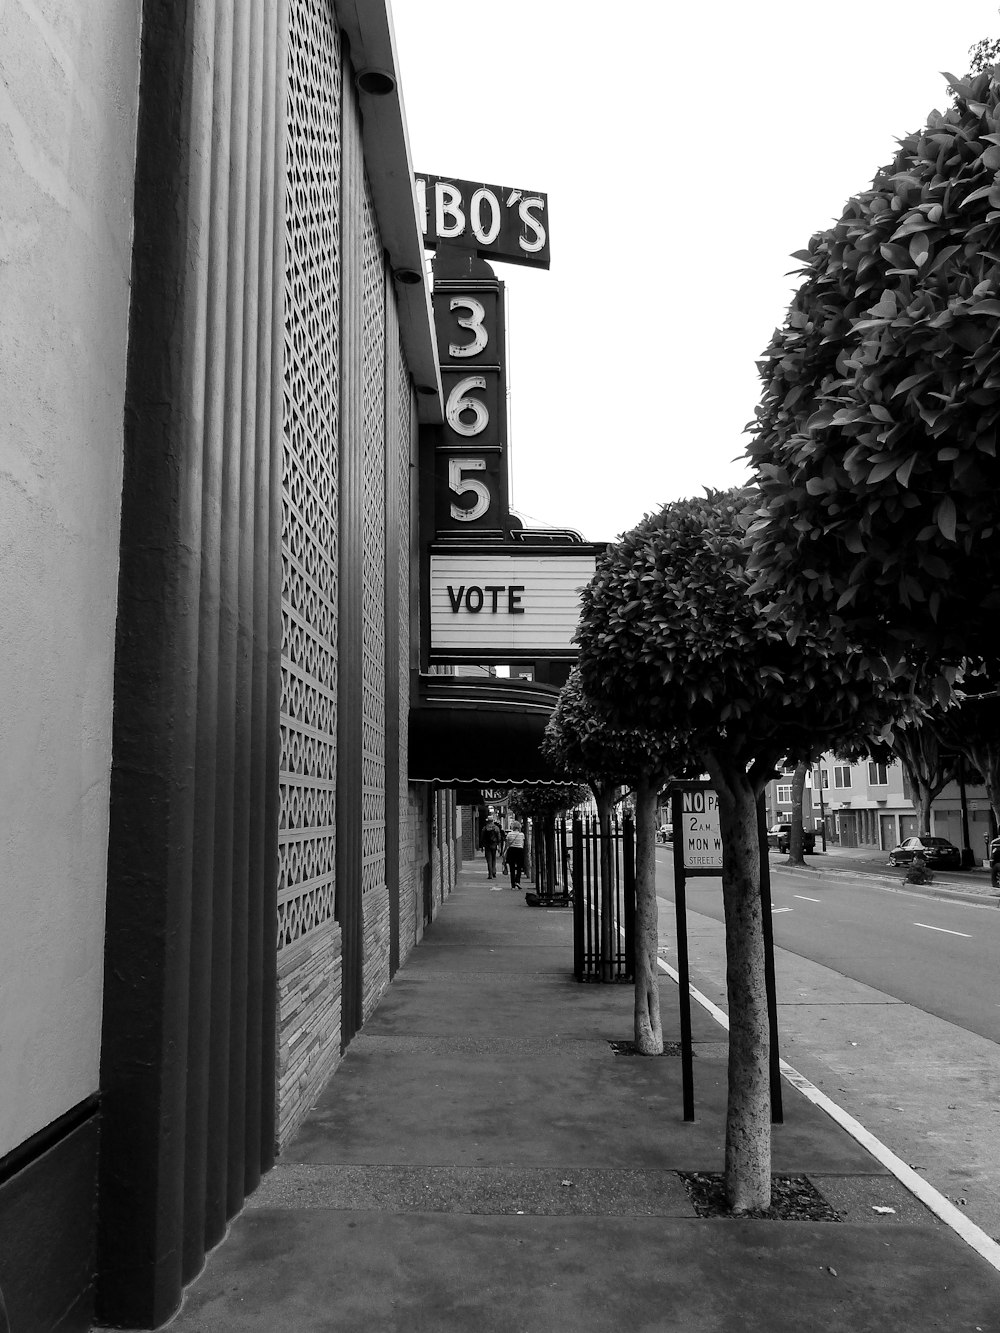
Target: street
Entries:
(941, 956)
(888, 1001)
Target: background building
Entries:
(867, 804)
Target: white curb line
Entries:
(984, 1245)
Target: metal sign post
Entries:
(774, 1060)
(697, 851)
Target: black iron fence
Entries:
(548, 862)
(602, 873)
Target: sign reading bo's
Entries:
(496, 221)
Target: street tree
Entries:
(581, 740)
(874, 448)
(984, 54)
(541, 803)
(971, 728)
(796, 841)
(928, 762)
(671, 638)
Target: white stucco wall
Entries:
(68, 81)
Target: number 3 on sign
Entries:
(459, 401)
(464, 486)
(477, 314)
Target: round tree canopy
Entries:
(875, 447)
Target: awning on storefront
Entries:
(480, 730)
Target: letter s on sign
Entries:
(531, 245)
(464, 485)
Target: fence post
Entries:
(577, 897)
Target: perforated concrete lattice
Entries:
(310, 472)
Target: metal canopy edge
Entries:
(480, 729)
(368, 25)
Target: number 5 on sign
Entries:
(466, 486)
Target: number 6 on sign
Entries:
(463, 485)
(459, 402)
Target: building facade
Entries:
(868, 804)
(219, 352)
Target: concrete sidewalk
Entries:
(482, 1160)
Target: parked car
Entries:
(939, 853)
(779, 838)
(665, 833)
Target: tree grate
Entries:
(629, 1048)
(793, 1199)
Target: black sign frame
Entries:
(513, 230)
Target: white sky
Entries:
(687, 150)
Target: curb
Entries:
(977, 1239)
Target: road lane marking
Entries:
(805, 899)
(942, 930)
(776, 910)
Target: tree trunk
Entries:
(927, 767)
(923, 798)
(648, 1031)
(795, 840)
(748, 1110)
(549, 850)
(605, 803)
(983, 752)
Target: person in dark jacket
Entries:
(491, 838)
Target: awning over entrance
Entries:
(480, 730)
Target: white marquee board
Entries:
(498, 604)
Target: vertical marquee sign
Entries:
(471, 462)
(493, 592)
(473, 221)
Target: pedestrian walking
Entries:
(995, 863)
(513, 854)
(490, 840)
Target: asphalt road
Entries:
(940, 956)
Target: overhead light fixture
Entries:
(408, 276)
(428, 390)
(376, 82)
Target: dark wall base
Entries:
(47, 1230)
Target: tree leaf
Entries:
(946, 517)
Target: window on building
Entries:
(784, 794)
(842, 775)
(878, 774)
(821, 777)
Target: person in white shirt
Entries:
(513, 854)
